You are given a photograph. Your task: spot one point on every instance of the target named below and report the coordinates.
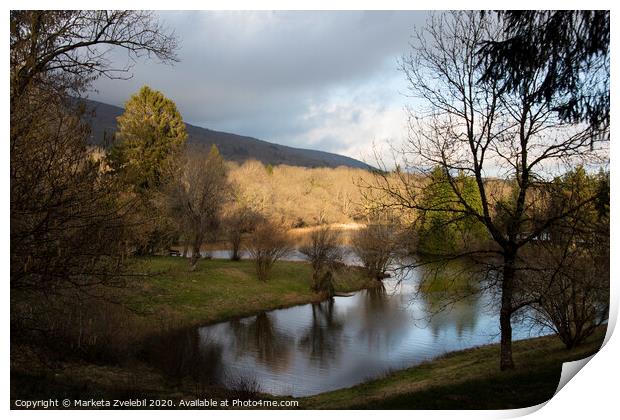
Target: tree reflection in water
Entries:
(333, 344)
(258, 336)
(445, 312)
(450, 296)
(186, 354)
(383, 320)
(322, 339)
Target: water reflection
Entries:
(460, 315)
(187, 354)
(384, 322)
(337, 343)
(259, 337)
(322, 339)
(349, 258)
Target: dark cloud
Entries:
(283, 76)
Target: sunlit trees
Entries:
(238, 222)
(150, 134)
(441, 232)
(330, 195)
(196, 193)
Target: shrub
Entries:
(268, 243)
(325, 254)
(569, 288)
(376, 247)
(239, 222)
(324, 283)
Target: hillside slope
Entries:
(232, 146)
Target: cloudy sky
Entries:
(321, 80)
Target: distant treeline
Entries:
(298, 196)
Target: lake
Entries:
(313, 348)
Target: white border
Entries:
(592, 394)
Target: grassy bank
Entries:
(468, 379)
(221, 289)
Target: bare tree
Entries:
(67, 49)
(241, 220)
(197, 192)
(61, 202)
(376, 246)
(469, 126)
(569, 284)
(325, 254)
(268, 243)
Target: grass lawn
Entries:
(221, 289)
(468, 379)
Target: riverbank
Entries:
(222, 289)
(468, 379)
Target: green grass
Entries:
(468, 379)
(221, 289)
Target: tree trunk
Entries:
(505, 314)
(236, 246)
(185, 248)
(195, 252)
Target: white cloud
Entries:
(353, 128)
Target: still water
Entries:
(313, 348)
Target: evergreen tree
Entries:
(567, 50)
(151, 132)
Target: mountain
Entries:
(232, 146)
